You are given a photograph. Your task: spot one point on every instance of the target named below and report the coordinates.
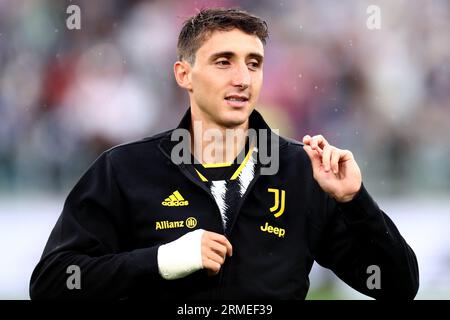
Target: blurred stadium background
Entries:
(67, 95)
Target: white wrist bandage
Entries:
(181, 257)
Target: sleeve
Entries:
(91, 234)
(359, 240)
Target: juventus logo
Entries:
(279, 203)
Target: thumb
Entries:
(313, 156)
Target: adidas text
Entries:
(175, 203)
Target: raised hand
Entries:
(334, 169)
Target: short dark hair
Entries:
(199, 27)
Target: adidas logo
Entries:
(175, 200)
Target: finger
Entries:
(215, 236)
(319, 142)
(313, 143)
(214, 256)
(313, 156)
(218, 248)
(307, 139)
(211, 273)
(335, 157)
(222, 240)
(229, 248)
(208, 243)
(326, 157)
(211, 265)
(346, 155)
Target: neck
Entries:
(213, 143)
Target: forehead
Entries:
(235, 41)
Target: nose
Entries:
(241, 77)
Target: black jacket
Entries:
(114, 220)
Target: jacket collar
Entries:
(256, 121)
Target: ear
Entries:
(182, 72)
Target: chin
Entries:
(233, 124)
(234, 119)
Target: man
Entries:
(158, 220)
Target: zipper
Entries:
(214, 294)
(244, 197)
(241, 203)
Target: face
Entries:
(226, 79)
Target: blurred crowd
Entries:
(67, 95)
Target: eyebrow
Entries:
(229, 54)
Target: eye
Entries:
(222, 63)
(253, 65)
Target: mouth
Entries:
(237, 101)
